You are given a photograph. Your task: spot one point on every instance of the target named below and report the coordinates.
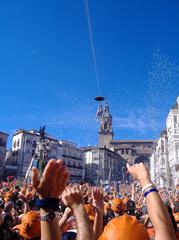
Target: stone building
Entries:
(23, 149)
(172, 123)
(24, 146)
(132, 151)
(72, 155)
(3, 145)
(159, 170)
(165, 158)
(107, 161)
(103, 165)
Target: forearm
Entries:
(84, 229)
(158, 215)
(62, 221)
(98, 225)
(50, 230)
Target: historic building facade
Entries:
(103, 165)
(132, 151)
(72, 155)
(165, 158)
(99, 167)
(24, 147)
(3, 144)
(160, 172)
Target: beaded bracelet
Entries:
(149, 191)
(147, 186)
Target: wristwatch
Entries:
(48, 217)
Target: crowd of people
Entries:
(49, 207)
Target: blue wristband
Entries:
(48, 203)
(149, 191)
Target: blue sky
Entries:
(47, 74)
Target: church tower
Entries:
(105, 129)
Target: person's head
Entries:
(17, 188)
(8, 206)
(7, 221)
(130, 207)
(71, 223)
(1, 204)
(118, 206)
(169, 209)
(19, 204)
(31, 204)
(30, 226)
(14, 196)
(126, 228)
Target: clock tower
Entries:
(105, 130)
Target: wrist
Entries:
(48, 204)
(47, 215)
(145, 181)
(77, 206)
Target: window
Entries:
(122, 151)
(162, 146)
(176, 126)
(127, 151)
(177, 152)
(33, 152)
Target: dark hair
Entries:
(7, 221)
(31, 203)
(17, 187)
(169, 209)
(130, 207)
(1, 203)
(19, 203)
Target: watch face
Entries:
(51, 215)
(48, 216)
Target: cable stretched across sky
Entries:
(92, 44)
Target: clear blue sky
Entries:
(47, 74)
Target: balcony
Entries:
(72, 157)
(74, 166)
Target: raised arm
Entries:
(97, 198)
(49, 188)
(73, 199)
(156, 209)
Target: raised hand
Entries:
(97, 200)
(139, 172)
(72, 197)
(53, 180)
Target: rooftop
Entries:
(4, 133)
(133, 141)
(33, 133)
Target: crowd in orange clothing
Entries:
(124, 211)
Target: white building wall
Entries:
(172, 123)
(73, 158)
(165, 158)
(24, 144)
